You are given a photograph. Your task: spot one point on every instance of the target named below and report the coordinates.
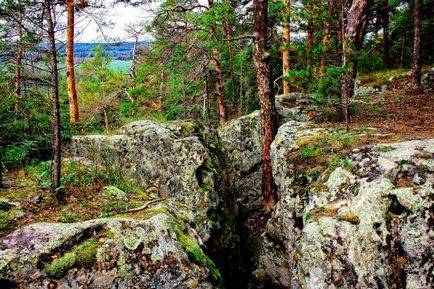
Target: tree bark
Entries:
(56, 142)
(70, 79)
(216, 56)
(417, 62)
(106, 122)
(133, 66)
(18, 60)
(161, 91)
(267, 101)
(309, 36)
(354, 34)
(1, 171)
(286, 61)
(235, 100)
(326, 37)
(385, 11)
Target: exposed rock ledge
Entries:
(158, 252)
(367, 223)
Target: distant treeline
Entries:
(119, 50)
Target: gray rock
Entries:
(166, 158)
(158, 252)
(371, 234)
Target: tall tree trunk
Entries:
(106, 122)
(220, 87)
(310, 30)
(385, 11)
(266, 95)
(354, 34)
(235, 100)
(286, 61)
(70, 79)
(221, 102)
(430, 32)
(1, 171)
(326, 37)
(417, 62)
(18, 60)
(56, 142)
(161, 91)
(133, 66)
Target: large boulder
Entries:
(367, 224)
(169, 159)
(240, 139)
(158, 251)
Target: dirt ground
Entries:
(403, 114)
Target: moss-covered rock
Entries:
(360, 227)
(121, 252)
(60, 266)
(114, 193)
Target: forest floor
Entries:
(403, 114)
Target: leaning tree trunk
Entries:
(56, 142)
(268, 109)
(385, 11)
(417, 62)
(18, 60)
(286, 61)
(216, 56)
(354, 34)
(72, 90)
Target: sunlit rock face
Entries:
(368, 225)
(168, 159)
(155, 252)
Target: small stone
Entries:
(350, 218)
(112, 192)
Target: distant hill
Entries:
(120, 50)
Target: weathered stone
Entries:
(113, 193)
(159, 252)
(166, 158)
(359, 231)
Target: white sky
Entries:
(120, 15)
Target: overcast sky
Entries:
(120, 16)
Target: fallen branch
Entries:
(145, 206)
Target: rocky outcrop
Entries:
(168, 159)
(240, 140)
(157, 251)
(367, 224)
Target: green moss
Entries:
(196, 255)
(188, 128)
(86, 253)
(190, 245)
(5, 206)
(149, 213)
(384, 149)
(308, 216)
(214, 273)
(83, 255)
(60, 266)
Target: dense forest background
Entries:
(210, 61)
